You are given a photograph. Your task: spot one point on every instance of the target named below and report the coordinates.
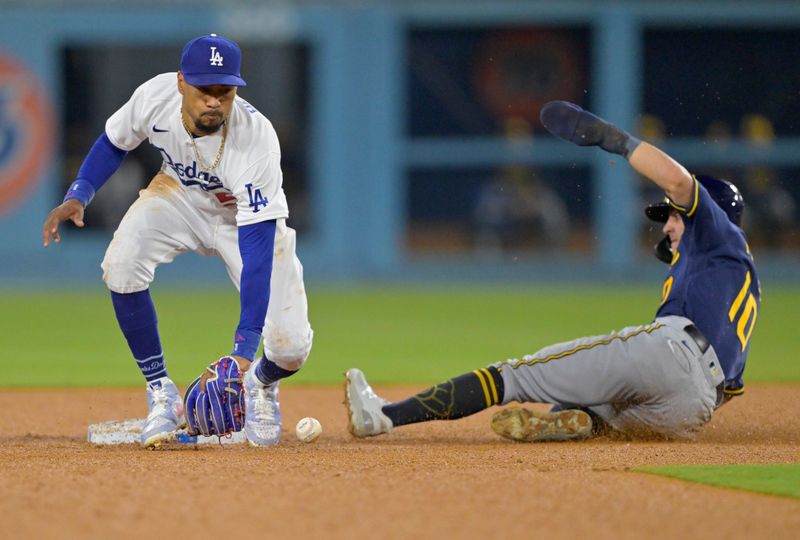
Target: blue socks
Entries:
(136, 315)
(269, 372)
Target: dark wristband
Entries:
(245, 344)
(630, 145)
(80, 190)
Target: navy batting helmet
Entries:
(725, 194)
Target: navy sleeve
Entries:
(706, 222)
(100, 163)
(256, 245)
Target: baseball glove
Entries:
(219, 410)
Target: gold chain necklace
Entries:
(203, 164)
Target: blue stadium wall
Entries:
(358, 150)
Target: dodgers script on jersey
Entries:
(249, 174)
(713, 282)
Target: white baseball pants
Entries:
(167, 220)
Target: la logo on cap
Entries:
(216, 58)
(211, 60)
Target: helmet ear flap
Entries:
(663, 250)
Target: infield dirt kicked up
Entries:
(436, 480)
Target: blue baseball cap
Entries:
(210, 60)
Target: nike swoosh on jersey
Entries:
(159, 130)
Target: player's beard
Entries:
(208, 123)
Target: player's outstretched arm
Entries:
(71, 209)
(100, 163)
(570, 122)
(664, 171)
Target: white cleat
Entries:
(165, 416)
(262, 417)
(365, 416)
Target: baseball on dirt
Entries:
(308, 429)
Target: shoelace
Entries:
(262, 404)
(370, 394)
(158, 401)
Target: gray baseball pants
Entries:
(652, 379)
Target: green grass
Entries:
(414, 335)
(780, 479)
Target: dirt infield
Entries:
(436, 480)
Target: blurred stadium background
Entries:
(412, 150)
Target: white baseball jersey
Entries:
(248, 175)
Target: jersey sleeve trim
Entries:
(113, 140)
(693, 206)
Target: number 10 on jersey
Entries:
(748, 313)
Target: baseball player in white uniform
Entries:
(219, 192)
